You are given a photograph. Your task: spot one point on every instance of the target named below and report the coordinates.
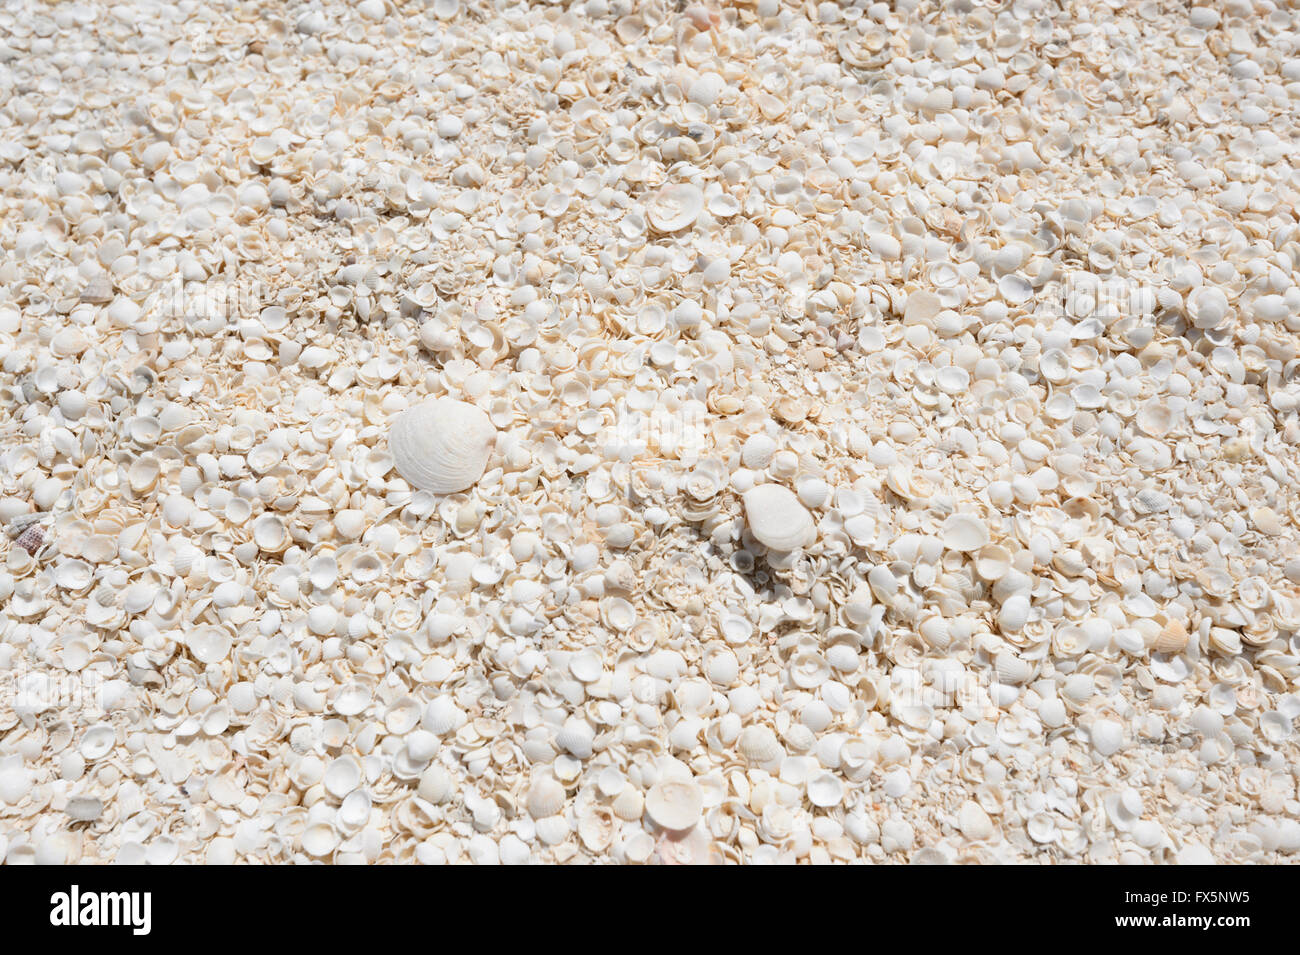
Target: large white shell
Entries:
(442, 445)
(545, 797)
(675, 207)
(776, 518)
(964, 532)
(674, 804)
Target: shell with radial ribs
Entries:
(442, 445)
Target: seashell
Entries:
(629, 804)
(354, 812)
(756, 453)
(618, 614)
(545, 797)
(365, 568)
(1207, 307)
(809, 669)
(1107, 736)
(825, 790)
(736, 630)
(84, 808)
(442, 716)
(269, 534)
(435, 785)
(342, 776)
(15, 780)
(759, 745)
(596, 828)
(97, 741)
(1013, 669)
(974, 822)
(323, 572)
(442, 445)
(322, 620)
(674, 207)
(74, 575)
(1172, 638)
(403, 716)
(674, 804)
(209, 644)
(320, 839)
(1276, 727)
(776, 518)
(352, 698)
(1014, 614)
(32, 539)
(962, 532)
(576, 737)
(350, 523)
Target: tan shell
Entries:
(1171, 639)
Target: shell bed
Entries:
(649, 432)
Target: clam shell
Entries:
(209, 644)
(825, 790)
(320, 839)
(442, 445)
(596, 828)
(963, 532)
(545, 797)
(1172, 638)
(342, 776)
(776, 518)
(675, 207)
(759, 745)
(674, 804)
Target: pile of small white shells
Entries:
(610, 431)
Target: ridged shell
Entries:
(442, 445)
(776, 518)
(545, 797)
(675, 206)
(1171, 639)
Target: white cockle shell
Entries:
(776, 518)
(442, 445)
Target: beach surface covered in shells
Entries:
(649, 432)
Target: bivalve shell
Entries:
(675, 206)
(674, 804)
(442, 445)
(776, 518)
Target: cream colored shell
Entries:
(442, 445)
(776, 518)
